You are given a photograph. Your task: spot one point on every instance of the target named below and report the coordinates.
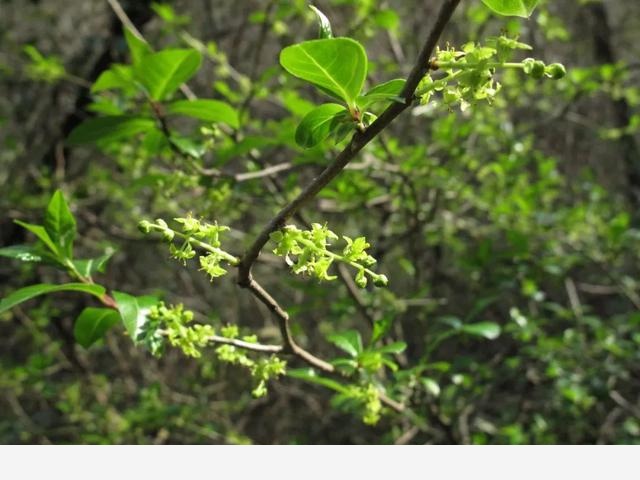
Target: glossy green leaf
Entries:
(109, 128)
(60, 224)
(89, 266)
(385, 92)
(32, 291)
(338, 66)
(518, 8)
(349, 341)
(118, 77)
(208, 110)
(93, 323)
(309, 375)
(162, 73)
(488, 330)
(24, 253)
(317, 124)
(324, 25)
(138, 48)
(133, 311)
(40, 232)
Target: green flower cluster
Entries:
(262, 370)
(171, 324)
(195, 233)
(469, 72)
(306, 252)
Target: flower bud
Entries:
(555, 71)
(144, 226)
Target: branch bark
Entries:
(358, 142)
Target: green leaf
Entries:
(488, 330)
(40, 232)
(133, 311)
(109, 128)
(162, 73)
(317, 125)
(32, 291)
(89, 266)
(349, 341)
(338, 66)
(395, 347)
(323, 23)
(431, 386)
(137, 47)
(93, 323)
(118, 77)
(518, 8)
(60, 224)
(309, 375)
(385, 92)
(208, 110)
(24, 253)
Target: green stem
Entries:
(472, 66)
(194, 241)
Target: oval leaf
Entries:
(349, 341)
(488, 330)
(385, 92)
(517, 8)
(207, 110)
(338, 66)
(109, 128)
(133, 311)
(93, 323)
(317, 124)
(32, 291)
(60, 224)
(162, 73)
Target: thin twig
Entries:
(357, 143)
(255, 347)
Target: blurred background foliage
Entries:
(520, 217)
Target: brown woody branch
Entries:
(357, 143)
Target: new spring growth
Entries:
(307, 252)
(194, 233)
(467, 75)
(172, 324)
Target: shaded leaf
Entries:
(108, 128)
(317, 125)
(93, 323)
(40, 232)
(207, 110)
(32, 291)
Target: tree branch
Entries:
(357, 143)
